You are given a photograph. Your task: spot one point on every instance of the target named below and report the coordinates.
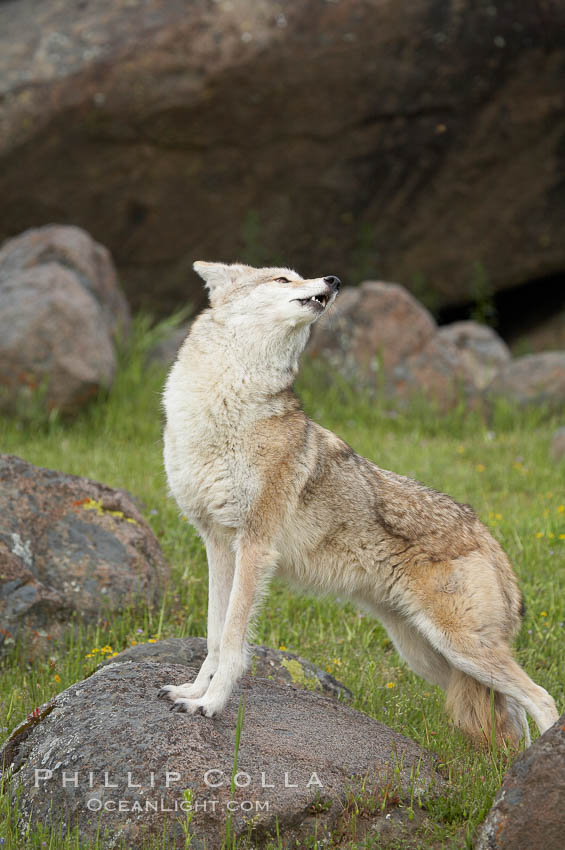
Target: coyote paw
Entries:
(195, 706)
(186, 691)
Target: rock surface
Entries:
(274, 664)
(375, 325)
(61, 312)
(528, 811)
(483, 351)
(533, 379)
(71, 549)
(360, 137)
(380, 335)
(300, 753)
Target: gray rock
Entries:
(482, 350)
(71, 549)
(113, 739)
(75, 250)
(536, 379)
(528, 811)
(376, 325)
(436, 373)
(380, 336)
(61, 311)
(273, 664)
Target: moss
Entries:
(298, 674)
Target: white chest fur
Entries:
(205, 457)
(221, 386)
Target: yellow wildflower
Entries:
(480, 467)
(560, 509)
(282, 647)
(390, 685)
(57, 677)
(151, 640)
(543, 614)
(539, 534)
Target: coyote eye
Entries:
(282, 280)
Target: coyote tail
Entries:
(473, 709)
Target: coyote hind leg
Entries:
(417, 651)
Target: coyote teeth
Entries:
(317, 299)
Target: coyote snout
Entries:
(263, 485)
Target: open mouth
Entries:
(318, 302)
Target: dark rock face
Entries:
(113, 740)
(399, 138)
(69, 548)
(532, 379)
(274, 664)
(61, 311)
(528, 812)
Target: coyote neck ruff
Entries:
(271, 491)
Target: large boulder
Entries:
(535, 379)
(403, 139)
(61, 313)
(528, 812)
(110, 757)
(71, 550)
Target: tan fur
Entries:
(271, 491)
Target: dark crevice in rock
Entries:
(517, 310)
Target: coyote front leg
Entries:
(253, 566)
(221, 565)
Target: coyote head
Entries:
(273, 297)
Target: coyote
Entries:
(270, 491)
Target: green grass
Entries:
(502, 467)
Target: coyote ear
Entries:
(213, 274)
